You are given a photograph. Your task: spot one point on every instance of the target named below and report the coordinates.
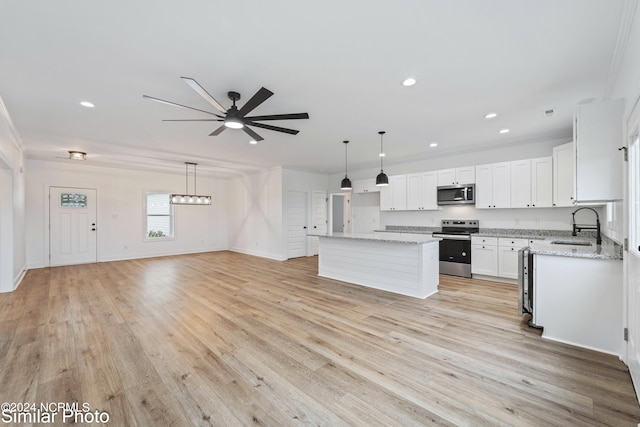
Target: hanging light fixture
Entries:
(77, 155)
(382, 179)
(190, 199)
(346, 182)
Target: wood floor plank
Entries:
(223, 338)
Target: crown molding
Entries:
(626, 24)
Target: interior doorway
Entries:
(6, 229)
(340, 209)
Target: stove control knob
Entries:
(464, 254)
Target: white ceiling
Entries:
(340, 61)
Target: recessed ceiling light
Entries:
(87, 104)
(381, 154)
(504, 130)
(253, 142)
(433, 144)
(409, 81)
(490, 115)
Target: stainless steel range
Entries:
(455, 246)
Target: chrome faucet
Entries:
(577, 227)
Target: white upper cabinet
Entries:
(598, 163)
(422, 191)
(532, 183)
(542, 182)
(393, 197)
(521, 183)
(365, 186)
(456, 176)
(493, 185)
(563, 175)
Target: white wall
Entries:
(121, 226)
(367, 216)
(255, 207)
(12, 205)
(627, 86)
(435, 160)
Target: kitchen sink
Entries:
(571, 242)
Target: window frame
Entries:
(145, 217)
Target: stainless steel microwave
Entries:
(457, 194)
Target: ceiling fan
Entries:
(233, 117)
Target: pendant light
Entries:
(382, 179)
(346, 182)
(190, 199)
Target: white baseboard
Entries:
(259, 254)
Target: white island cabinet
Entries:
(404, 264)
(578, 301)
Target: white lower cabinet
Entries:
(508, 256)
(497, 257)
(484, 256)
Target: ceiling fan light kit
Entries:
(382, 180)
(346, 182)
(190, 199)
(235, 118)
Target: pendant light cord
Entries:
(345, 158)
(381, 149)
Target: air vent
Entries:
(550, 112)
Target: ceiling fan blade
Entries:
(162, 101)
(218, 131)
(260, 96)
(276, 128)
(280, 117)
(252, 134)
(193, 120)
(203, 93)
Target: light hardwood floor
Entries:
(228, 339)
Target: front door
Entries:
(72, 226)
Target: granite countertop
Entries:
(543, 246)
(413, 240)
(608, 250)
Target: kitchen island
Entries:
(405, 264)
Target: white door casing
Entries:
(318, 219)
(296, 224)
(72, 225)
(632, 256)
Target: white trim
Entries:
(15, 136)
(626, 24)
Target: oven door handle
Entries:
(451, 236)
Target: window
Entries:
(159, 214)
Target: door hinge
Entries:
(626, 334)
(625, 244)
(626, 155)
